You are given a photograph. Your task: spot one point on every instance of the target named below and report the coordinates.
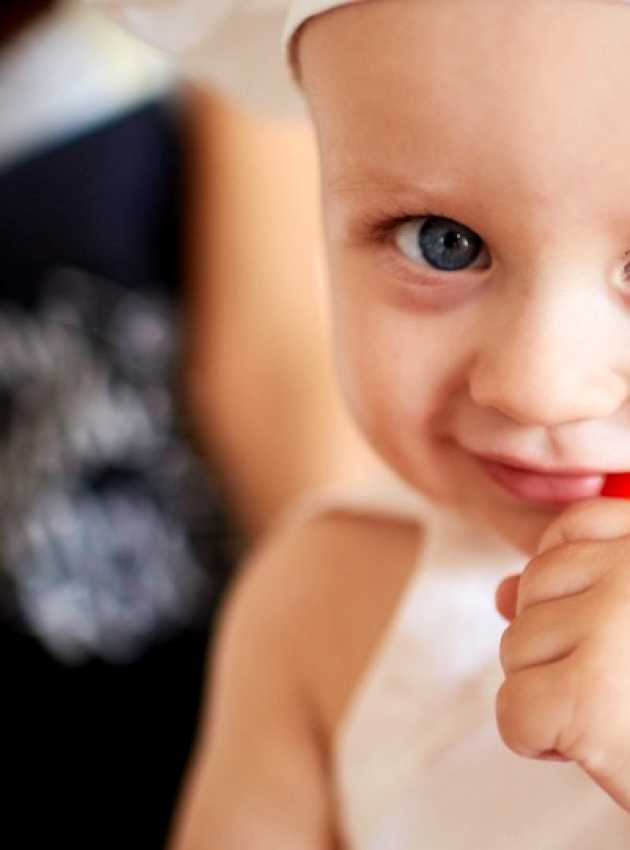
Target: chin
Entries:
(523, 529)
(520, 524)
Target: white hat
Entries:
(301, 11)
(234, 44)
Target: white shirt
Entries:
(419, 763)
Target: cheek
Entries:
(384, 357)
(403, 369)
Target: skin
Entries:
(262, 773)
(527, 353)
(257, 350)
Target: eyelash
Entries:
(379, 226)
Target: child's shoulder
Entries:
(331, 584)
(298, 630)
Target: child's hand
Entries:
(566, 653)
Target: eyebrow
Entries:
(433, 189)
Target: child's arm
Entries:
(258, 365)
(258, 782)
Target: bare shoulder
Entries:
(331, 586)
(305, 615)
(339, 555)
(361, 566)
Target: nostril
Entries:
(621, 278)
(550, 401)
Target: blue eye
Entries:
(443, 243)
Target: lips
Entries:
(544, 487)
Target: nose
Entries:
(550, 357)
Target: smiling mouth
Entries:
(544, 487)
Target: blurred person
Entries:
(259, 373)
(115, 544)
(131, 333)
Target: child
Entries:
(475, 188)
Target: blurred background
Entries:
(166, 394)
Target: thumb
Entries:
(506, 597)
(591, 519)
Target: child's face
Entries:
(513, 120)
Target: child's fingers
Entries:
(506, 597)
(534, 710)
(592, 519)
(556, 575)
(564, 571)
(544, 633)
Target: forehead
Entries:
(469, 87)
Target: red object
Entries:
(617, 486)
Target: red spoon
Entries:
(617, 486)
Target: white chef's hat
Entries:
(237, 45)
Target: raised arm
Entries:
(263, 398)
